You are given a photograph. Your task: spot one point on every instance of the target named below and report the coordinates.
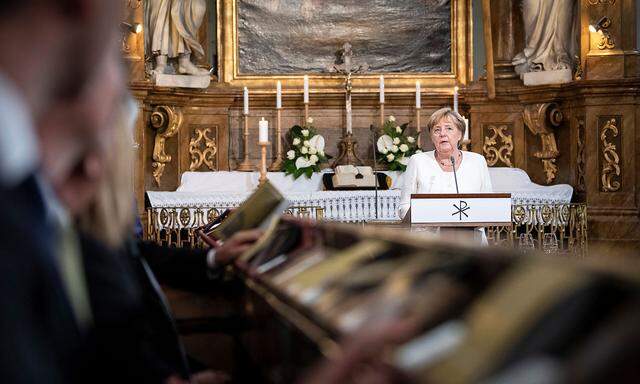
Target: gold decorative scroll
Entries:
(541, 119)
(580, 163)
(494, 152)
(598, 2)
(606, 42)
(611, 167)
(166, 120)
(202, 152)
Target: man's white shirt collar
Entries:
(19, 154)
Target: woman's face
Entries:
(445, 136)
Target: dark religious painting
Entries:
(301, 36)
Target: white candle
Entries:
(455, 98)
(279, 95)
(418, 94)
(246, 101)
(263, 131)
(466, 128)
(306, 89)
(381, 89)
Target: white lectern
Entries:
(457, 214)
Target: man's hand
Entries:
(236, 245)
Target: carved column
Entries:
(166, 120)
(508, 36)
(611, 51)
(542, 119)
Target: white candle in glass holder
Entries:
(246, 101)
(455, 98)
(279, 95)
(418, 90)
(306, 89)
(263, 131)
(381, 89)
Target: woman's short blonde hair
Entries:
(446, 113)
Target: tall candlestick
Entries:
(455, 98)
(381, 89)
(277, 162)
(263, 131)
(245, 165)
(263, 162)
(306, 89)
(349, 121)
(246, 101)
(381, 115)
(279, 95)
(418, 90)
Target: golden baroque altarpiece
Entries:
(552, 132)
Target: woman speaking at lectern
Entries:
(432, 172)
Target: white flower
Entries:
(391, 118)
(384, 143)
(309, 120)
(291, 154)
(317, 142)
(418, 150)
(312, 151)
(394, 149)
(404, 160)
(411, 139)
(404, 148)
(304, 150)
(296, 141)
(305, 132)
(398, 129)
(384, 151)
(302, 162)
(313, 159)
(305, 143)
(390, 157)
(321, 153)
(396, 140)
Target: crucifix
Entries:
(343, 66)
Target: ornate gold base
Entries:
(245, 166)
(347, 154)
(276, 166)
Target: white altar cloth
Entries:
(230, 189)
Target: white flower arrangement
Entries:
(394, 146)
(307, 151)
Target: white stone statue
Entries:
(551, 40)
(172, 32)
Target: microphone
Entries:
(453, 164)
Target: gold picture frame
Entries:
(461, 60)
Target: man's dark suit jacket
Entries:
(39, 336)
(135, 331)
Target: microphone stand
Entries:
(375, 174)
(453, 164)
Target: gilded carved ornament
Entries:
(598, 2)
(541, 119)
(494, 152)
(202, 154)
(166, 121)
(611, 167)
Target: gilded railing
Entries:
(176, 226)
(568, 222)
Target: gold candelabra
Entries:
(263, 161)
